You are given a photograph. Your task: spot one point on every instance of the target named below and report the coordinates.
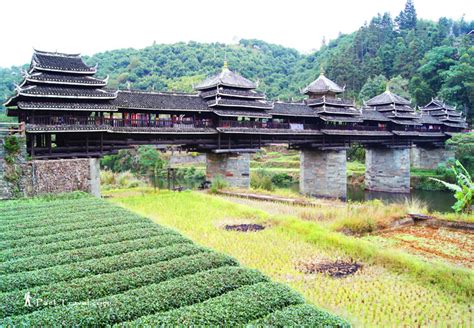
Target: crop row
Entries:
(153, 298)
(98, 286)
(10, 212)
(235, 308)
(301, 315)
(103, 265)
(48, 230)
(60, 218)
(86, 253)
(74, 234)
(106, 238)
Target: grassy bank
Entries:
(394, 288)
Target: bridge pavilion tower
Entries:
(323, 169)
(387, 167)
(235, 103)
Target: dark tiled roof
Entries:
(387, 98)
(220, 102)
(227, 78)
(160, 100)
(406, 133)
(355, 132)
(406, 122)
(232, 92)
(402, 115)
(52, 61)
(322, 85)
(292, 109)
(330, 101)
(428, 119)
(66, 106)
(337, 110)
(394, 107)
(241, 113)
(431, 134)
(66, 92)
(340, 118)
(65, 79)
(268, 131)
(373, 115)
(456, 125)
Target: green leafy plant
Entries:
(463, 189)
(218, 183)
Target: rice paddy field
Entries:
(78, 261)
(392, 285)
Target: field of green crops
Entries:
(79, 261)
(393, 289)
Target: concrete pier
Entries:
(429, 158)
(387, 169)
(233, 168)
(323, 173)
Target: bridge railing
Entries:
(118, 122)
(253, 124)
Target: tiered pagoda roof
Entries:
(322, 86)
(228, 94)
(444, 114)
(397, 109)
(324, 101)
(61, 82)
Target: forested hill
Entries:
(423, 59)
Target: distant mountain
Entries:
(422, 59)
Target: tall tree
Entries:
(406, 20)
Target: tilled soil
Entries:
(244, 227)
(337, 269)
(454, 246)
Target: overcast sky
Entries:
(90, 26)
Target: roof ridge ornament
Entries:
(321, 70)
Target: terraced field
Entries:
(80, 261)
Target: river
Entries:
(440, 201)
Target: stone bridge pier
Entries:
(387, 169)
(234, 168)
(429, 157)
(323, 173)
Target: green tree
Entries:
(372, 87)
(406, 20)
(458, 84)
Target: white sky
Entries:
(90, 26)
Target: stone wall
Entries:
(11, 173)
(323, 173)
(387, 170)
(429, 158)
(233, 168)
(63, 175)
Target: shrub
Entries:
(96, 286)
(301, 315)
(261, 180)
(135, 232)
(76, 255)
(282, 180)
(100, 266)
(70, 235)
(94, 222)
(218, 183)
(153, 298)
(235, 308)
